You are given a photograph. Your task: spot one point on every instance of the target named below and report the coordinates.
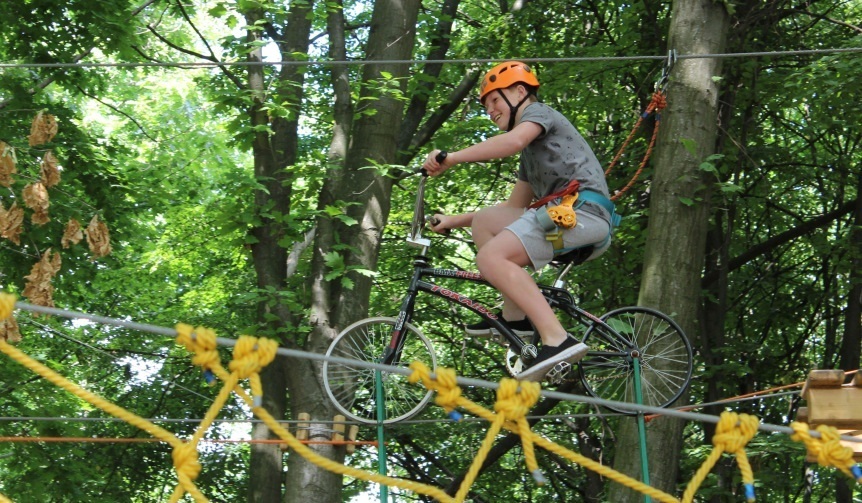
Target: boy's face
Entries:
(497, 108)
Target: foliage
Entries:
(162, 154)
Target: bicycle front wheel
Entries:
(660, 346)
(353, 388)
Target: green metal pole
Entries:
(641, 427)
(381, 444)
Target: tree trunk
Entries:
(364, 195)
(679, 210)
(274, 153)
(851, 342)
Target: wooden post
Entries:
(351, 435)
(303, 425)
(338, 428)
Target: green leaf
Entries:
(334, 260)
(690, 145)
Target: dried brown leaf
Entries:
(9, 330)
(7, 164)
(50, 171)
(43, 129)
(73, 234)
(98, 238)
(39, 289)
(36, 198)
(12, 223)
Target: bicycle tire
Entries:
(352, 388)
(665, 356)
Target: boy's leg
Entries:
(487, 223)
(501, 260)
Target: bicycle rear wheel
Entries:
(352, 388)
(661, 347)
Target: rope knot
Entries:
(202, 342)
(734, 431)
(832, 453)
(515, 404)
(186, 461)
(421, 372)
(448, 391)
(251, 355)
(659, 102)
(827, 449)
(445, 384)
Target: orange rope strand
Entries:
(657, 104)
(132, 440)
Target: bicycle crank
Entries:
(515, 361)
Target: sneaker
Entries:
(521, 328)
(569, 352)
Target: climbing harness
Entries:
(561, 217)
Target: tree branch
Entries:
(780, 239)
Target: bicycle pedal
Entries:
(557, 375)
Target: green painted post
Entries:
(381, 444)
(641, 426)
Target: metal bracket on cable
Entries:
(661, 85)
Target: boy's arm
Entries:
(496, 147)
(521, 196)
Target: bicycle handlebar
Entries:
(440, 157)
(415, 236)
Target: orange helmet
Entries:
(505, 75)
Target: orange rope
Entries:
(657, 104)
(130, 440)
(738, 397)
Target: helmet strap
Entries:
(513, 109)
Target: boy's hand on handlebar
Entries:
(437, 223)
(436, 163)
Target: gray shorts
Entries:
(590, 229)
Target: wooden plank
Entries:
(802, 414)
(351, 435)
(303, 425)
(338, 428)
(822, 379)
(839, 407)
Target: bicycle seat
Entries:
(574, 257)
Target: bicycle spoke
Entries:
(663, 352)
(353, 390)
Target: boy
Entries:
(509, 236)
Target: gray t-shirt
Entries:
(558, 155)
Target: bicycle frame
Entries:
(556, 296)
(637, 353)
(421, 270)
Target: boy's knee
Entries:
(484, 260)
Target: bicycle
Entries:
(621, 341)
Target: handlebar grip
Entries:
(440, 157)
(434, 221)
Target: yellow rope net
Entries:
(514, 400)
